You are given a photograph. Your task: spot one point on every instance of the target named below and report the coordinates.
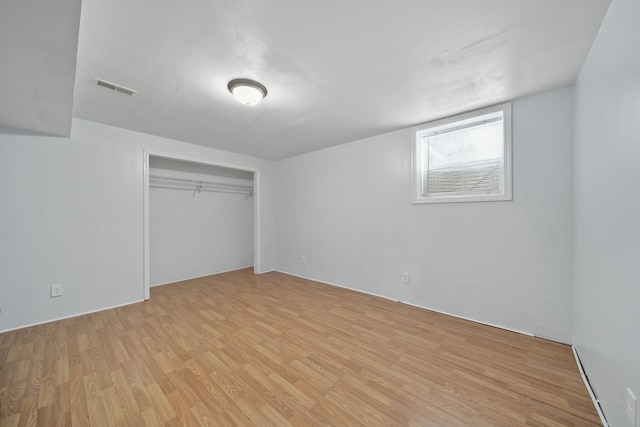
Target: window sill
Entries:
(463, 199)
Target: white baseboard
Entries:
(413, 305)
(69, 317)
(199, 277)
(493, 325)
(587, 384)
(336, 285)
(110, 307)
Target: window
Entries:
(466, 158)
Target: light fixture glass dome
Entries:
(248, 92)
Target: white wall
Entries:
(194, 234)
(71, 212)
(607, 211)
(348, 210)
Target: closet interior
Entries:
(201, 220)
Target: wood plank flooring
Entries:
(276, 350)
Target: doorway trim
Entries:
(257, 262)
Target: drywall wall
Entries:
(348, 210)
(71, 212)
(192, 232)
(607, 211)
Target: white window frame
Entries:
(465, 119)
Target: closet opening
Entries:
(200, 218)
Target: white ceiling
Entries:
(336, 71)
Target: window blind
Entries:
(464, 160)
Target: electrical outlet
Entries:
(405, 278)
(304, 259)
(56, 290)
(632, 404)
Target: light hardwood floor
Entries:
(241, 349)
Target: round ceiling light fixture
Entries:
(248, 92)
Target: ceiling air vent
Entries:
(115, 87)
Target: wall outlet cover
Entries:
(56, 290)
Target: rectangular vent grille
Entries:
(115, 87)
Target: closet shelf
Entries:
(198, 186)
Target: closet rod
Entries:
(198, 186)
(245, 192)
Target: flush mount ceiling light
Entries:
(248, 92)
